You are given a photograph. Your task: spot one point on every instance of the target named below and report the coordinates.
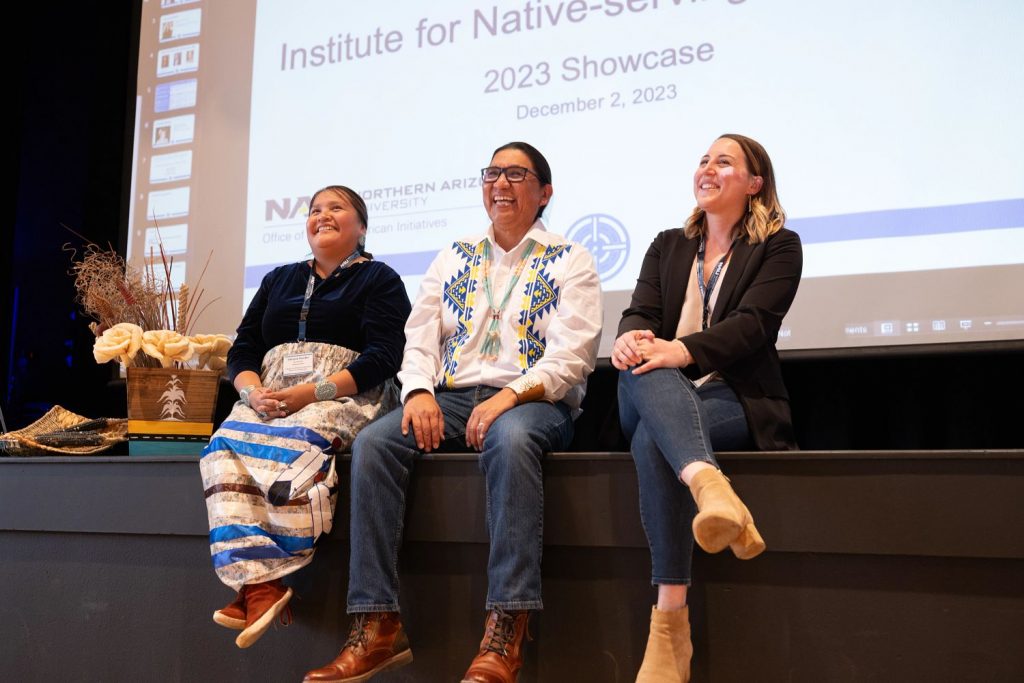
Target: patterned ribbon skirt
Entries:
(271, 486)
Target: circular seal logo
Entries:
(604, 237)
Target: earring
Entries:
(750, 203)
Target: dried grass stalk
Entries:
(111, 292)
(182, 325)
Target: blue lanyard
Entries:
(705, 292)
(304, 313)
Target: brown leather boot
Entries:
(232, 615)
(376, 642)
(723, 520)
(668, 653)
(263, 603)
(501, 650)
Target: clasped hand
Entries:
(271, 404)
(642, 351)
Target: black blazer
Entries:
(755, 294)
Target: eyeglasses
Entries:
(514, 174)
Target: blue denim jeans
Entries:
(671, 423)
(382, 461)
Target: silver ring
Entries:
(262, 415)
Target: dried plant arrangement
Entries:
(137, 311)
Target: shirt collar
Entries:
(537, 232)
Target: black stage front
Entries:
(881, 566)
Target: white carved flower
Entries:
(122, 341)
(166, 346)
(212, 350)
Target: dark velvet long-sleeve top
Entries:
(362, 307)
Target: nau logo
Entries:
(286, 208)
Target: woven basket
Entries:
(172, 394)
(22, 442)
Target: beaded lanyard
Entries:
(491, 347)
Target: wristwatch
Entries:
(325, 390)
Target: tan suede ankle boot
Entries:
(723, 520)
(667, 658)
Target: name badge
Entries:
(298, 364)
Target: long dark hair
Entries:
(540, 164)
(357, 203)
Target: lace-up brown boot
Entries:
(376, 642)
(501, 650)
(232, 615)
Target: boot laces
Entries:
(358, 632)
(500, 635)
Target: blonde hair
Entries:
(764, 216)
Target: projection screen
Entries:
(893, 126)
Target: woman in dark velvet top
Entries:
(313, 363)
(699, 372)
(363, 308)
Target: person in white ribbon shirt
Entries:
(501, 338)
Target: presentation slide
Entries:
(892, 127)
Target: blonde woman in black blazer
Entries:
(699, 372)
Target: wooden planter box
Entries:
(170, 410)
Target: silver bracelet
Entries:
(246, 392)
(325, 390)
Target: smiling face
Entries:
(333, 226)
(722, 181)
(513, 207)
